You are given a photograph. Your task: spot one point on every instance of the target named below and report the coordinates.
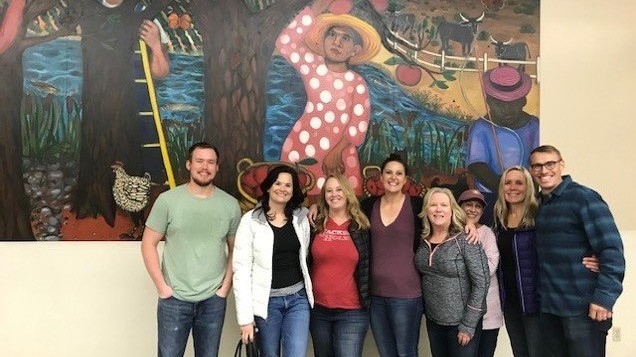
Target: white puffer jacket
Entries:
(252, 262)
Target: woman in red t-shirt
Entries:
(339, 268)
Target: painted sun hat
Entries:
(471, 194)
(507, 83)
(370, 39)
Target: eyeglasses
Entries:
(548, 166)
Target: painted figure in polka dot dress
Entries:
(336, 117)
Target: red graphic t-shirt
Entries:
(333, 269)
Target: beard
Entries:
(202, 183)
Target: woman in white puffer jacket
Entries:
(272, 287)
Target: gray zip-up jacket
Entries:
(455, 280)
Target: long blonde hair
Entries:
(458, 219)
(353, 205)
(530, 204)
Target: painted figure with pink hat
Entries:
(504, 137)
(321, 47)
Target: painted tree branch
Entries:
(36, 8)
(32, 41)
(155, 8)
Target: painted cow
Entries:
(518, 51)
(403, 22)
(463, 33)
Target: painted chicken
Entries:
(131, 194)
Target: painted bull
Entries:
(462, 33)
(518, 51)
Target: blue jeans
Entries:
(443, 340)
(176, 318)
(338, 332)
(287, 324)
(575, 336)
(525, 332)
(395, 323)
(488, 342)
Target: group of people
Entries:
(551, 267)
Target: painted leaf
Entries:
(394, 61)
(308, 161)
(441, 84)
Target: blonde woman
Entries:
(339, 266)
(454, 277)
(515, 210)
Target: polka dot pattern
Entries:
(324, 143)
(322, 70)
(341, 104)
(358, 109)
(337, 108)
(310, 150)
(315, 123)
(293, 156)
(330, 117)
(307, 20)
(303, 137)
(325, 96)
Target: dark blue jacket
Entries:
(526, 269)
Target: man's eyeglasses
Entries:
(548, 166)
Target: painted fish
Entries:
(180, 107)
(45, 87)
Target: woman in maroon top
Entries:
(339, 268)
(396, 288)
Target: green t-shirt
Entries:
(195, 230)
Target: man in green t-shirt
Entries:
(198, 221)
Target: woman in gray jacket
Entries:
(455, 277)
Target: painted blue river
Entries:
(55, 68)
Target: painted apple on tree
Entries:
(408, 75)
(340, 7)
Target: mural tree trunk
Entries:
(237, 46)
(109, 130)
(14, 206)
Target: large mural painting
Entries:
(102, 98)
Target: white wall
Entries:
(67, 299)
(94, 299)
